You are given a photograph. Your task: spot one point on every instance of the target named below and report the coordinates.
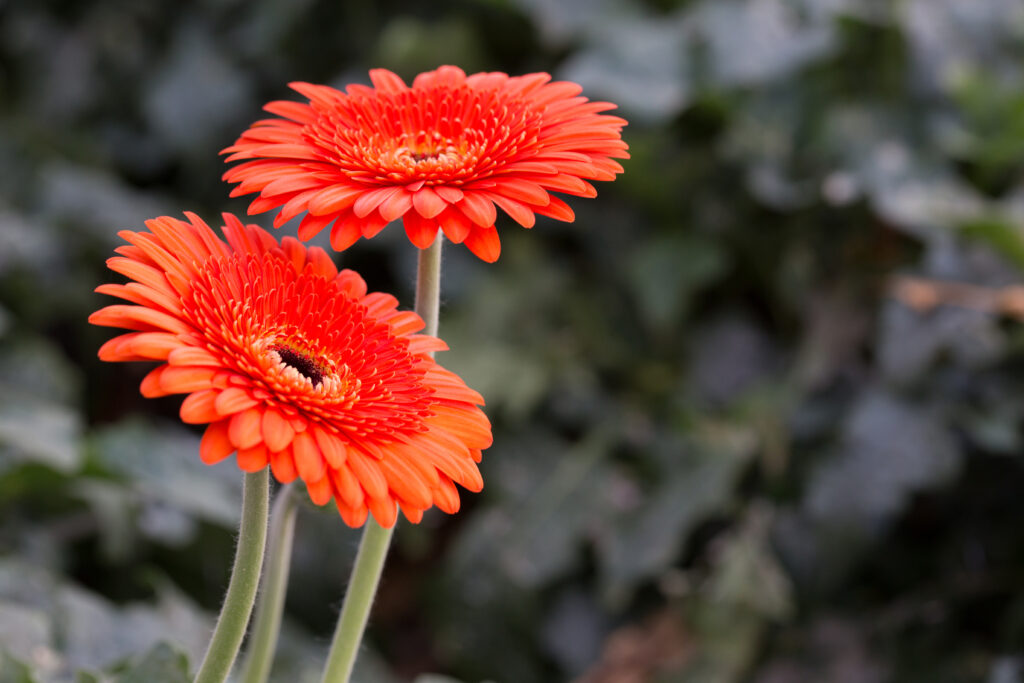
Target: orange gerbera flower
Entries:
(292, 364)
(440, 154)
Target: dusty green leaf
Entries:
(641, 545)
(163, 464)
(666, 273)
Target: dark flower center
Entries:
(306, 366)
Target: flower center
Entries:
(429, 148)
(303, 364)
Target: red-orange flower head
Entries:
(292, 364)
(440, 154)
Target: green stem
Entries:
(428, 285)
(267, 625)
(373, 549)
(245, 578)
(356, 610)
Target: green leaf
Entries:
(162, 462)
(640, 546)
(747, 575)
(665, 273)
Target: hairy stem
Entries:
(373, 549)
(263, 642)
(245, 579)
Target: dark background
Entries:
(726, 448)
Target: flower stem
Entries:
(263, 641)
(428, 286)
(373, 549)
(245, 578)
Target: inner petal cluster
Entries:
(443, 136)
(302, 341)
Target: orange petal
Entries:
(523, 191)
(137, 318)
(233, 400)
(277, 431)
(308, 460)
(478, 209)
(521, 213)
(471, 426)
(556, 209)
(451, 195)
(183, 380)
(155, 345)
(215, 444)
(387, 81)
(311, 225)
(368, 473)
(120, 349)
(283, 466)
(150, 386)
(484, 243)
(368, 202)
(319, 491)
(354, 517)
(405, 481)
(331, 446)
(384, 510)
(412, 514)
(197, 408)
(421, 231)
(334, 199)
(455, 225)
(346, 487)
(446, 496)
(395, 206)
(252, 459)
(428, 203)
(346, 231)
(245, 428)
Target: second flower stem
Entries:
(373, 549)
(245, 578)
(267, 623)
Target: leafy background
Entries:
(727, 449)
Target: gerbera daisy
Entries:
(291, 363)
(440, 154)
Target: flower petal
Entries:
(244, 429)
(478, 209)
(252, 459)
(421, 231)
(277, 431)
(484, 243)
(198, 407)
(428, 203)
(308, 460)
(215, 444)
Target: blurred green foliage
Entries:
(724, 450)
